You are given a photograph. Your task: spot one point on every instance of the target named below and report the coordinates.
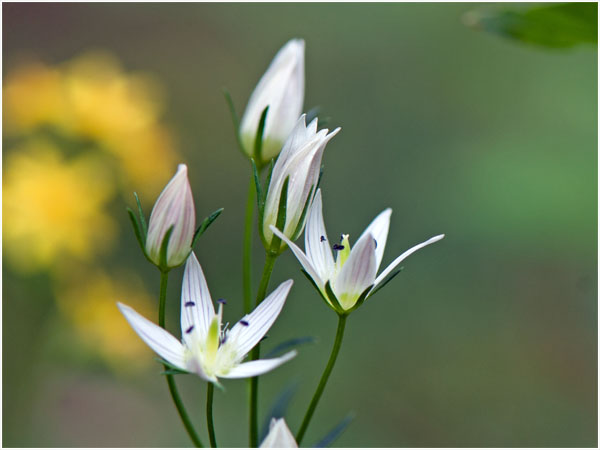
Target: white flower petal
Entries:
(258, 367)
(159, 340)
(379, 230)
(299, 134)
(316, 243)
(407, 253)
(252, 327)
(358, 272)
(279, 436)
(306, 263)
(197, 308)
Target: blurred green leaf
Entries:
(279, 407)
(289, 344)
(558, 26)
(335, 432)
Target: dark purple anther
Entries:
(190, 304)
(323, 238)
(222, 301)
(245, 323)
(338, 247)
(189, 330)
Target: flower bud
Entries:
(281, 88)
(174, 208)
(300, 164)
(279, 435)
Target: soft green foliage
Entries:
(556, 25)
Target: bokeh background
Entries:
(488, 338)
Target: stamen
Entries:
(244, 323)
(338, 247)
(190, 304)
(189, 330)
(222, 301)
(375, 240)
(323, 238)
(224, 339)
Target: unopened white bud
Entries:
(281, 88)
(300, 164)
(174, 208)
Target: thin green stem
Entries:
(321, 387)
(247, 251)
(266, 277)
(164, 276)
(260, 296)
(209, 415)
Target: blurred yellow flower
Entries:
(54, 208)
(88, 302)
(91, 97)
(104, 101)
(33, 95)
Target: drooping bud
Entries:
(281, 88)
(299, 164)
(173, 209)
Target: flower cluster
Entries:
(273, 129)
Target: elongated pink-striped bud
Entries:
(174, 208)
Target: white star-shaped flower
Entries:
(346, 281)
(207, 349)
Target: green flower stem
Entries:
(164, 276)
(260, 296)
(321, 387)
(266, 277)
(209, 415)
(247, 251)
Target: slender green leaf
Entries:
(207, 222)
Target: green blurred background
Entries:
(487, 338)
